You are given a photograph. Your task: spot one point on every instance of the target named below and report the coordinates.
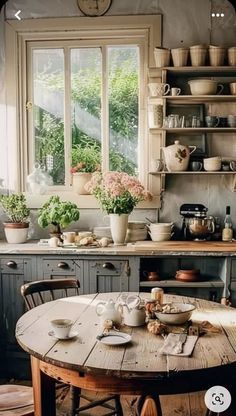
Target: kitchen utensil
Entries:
(232, 56)
(205, 87)
(198, 55)
(201, 228)
(177, 156)
(188, 275)
(180, 56)
(162, 57)
(108, 310)
(176, 318)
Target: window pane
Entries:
(86, 73)
(123, 108)
(48, 91)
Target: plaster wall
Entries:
(185, 22)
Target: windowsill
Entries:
(82, 201)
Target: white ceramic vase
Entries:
(118, 224)
(79, 180)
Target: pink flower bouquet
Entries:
(117, 192)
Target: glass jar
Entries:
(157, 294)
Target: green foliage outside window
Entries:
(123, 111)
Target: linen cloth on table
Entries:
(172, 345)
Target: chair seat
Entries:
(14, 397)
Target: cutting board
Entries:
(188, 246)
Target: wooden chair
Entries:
(16, 400)
(41, 291)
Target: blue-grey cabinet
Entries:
(15, 271)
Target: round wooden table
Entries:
(135, 368)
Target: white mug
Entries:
(53, 242)
(68, 237)
(175, 91)
(157, 89)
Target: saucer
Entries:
(115, 338)
(71, 335)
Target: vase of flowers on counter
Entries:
(118, 194)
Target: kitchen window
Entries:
(79, 87)
(84, 96)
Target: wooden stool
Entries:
(16, 400)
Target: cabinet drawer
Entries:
(59, 266)
(12, 265)
(112, 267)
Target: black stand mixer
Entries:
(196, 224)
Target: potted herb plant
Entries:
(15, 207)
(57, 214)
(86, 159)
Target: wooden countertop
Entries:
(145, 248)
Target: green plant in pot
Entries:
(15, 207)
(86, 159)
(57, 215)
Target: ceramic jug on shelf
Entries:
(109, 311)
(177, 156)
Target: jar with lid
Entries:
(157, 294)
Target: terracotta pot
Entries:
(190, 275)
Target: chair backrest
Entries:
(41, 291)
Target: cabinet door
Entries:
(14, 273)
(105, 275)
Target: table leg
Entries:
(149, 406)
(44, 391)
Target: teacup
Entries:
(196, 165)
(68, 237)
(61, 327)
(157, 89)
(175, 91)
(212, 164)
(212, 121)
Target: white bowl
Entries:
(203, 86)
(162, 227)
(177, 318)
(160, 236)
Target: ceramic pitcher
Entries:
(177, 156)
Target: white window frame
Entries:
(146, 30)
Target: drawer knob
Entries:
(63, 265)
(12, 264)
(108, 265)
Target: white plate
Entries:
(116, 338)
(71, 335)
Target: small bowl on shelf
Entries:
(188, 275)
(179, 313)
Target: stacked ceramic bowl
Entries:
(136, 231)
(161, 231)
(101, 232)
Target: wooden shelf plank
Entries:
(176, 283)
(188, 99)
(195, 130)
(154, 72)
(186, 172)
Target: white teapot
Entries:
(177, 156)
(109, 310)
(133, 311)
